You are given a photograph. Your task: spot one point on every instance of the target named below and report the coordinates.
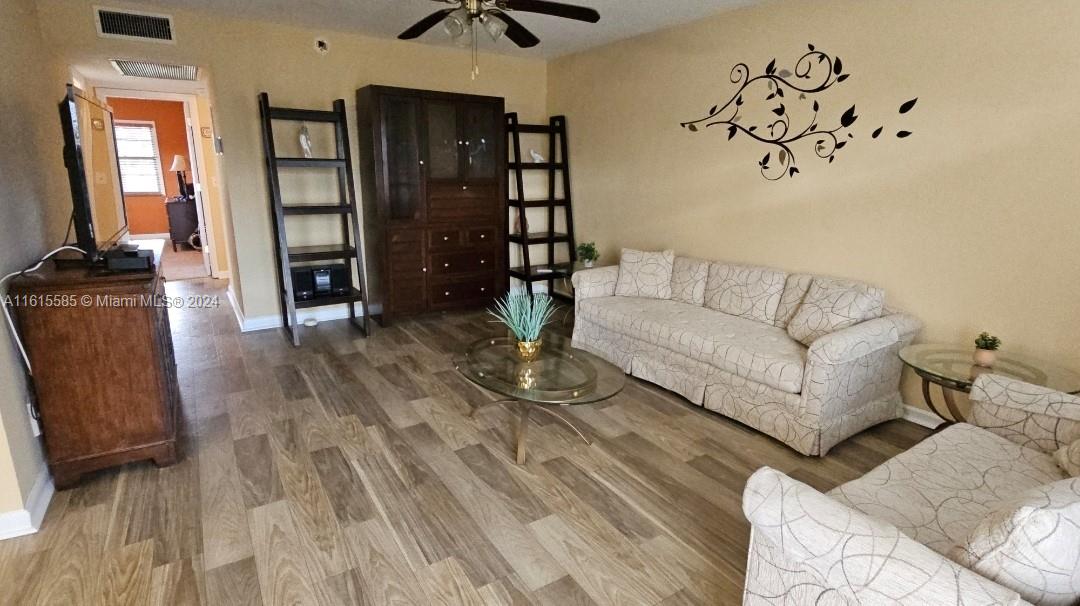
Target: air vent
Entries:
(149, 69)
(133, 25)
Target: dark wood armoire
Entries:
(433, 176)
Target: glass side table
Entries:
(952, 369)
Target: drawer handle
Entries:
(482, 289)
(482, 236)
(482, 261)
(446, 265)
(464, 188)
(446, 238)
(447, 293)
(425, 270)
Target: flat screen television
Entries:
(90, 154)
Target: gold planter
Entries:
(529, 350)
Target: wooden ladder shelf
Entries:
(349, 247)
(557, 166)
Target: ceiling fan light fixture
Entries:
(457, 23)
(494, 26)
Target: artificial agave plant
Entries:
(524, 315)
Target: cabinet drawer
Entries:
(480, 236)
(463, 263)
(407, 296)
(453, 293)
(455, 202)
(445, 238)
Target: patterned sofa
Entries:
(720, 339)
(976, 514)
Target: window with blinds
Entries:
(140, 163)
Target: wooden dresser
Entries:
(433, 178)
(103, 366)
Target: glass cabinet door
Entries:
(443, 144)
(481, 141)
(403, 164)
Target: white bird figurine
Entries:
(305, 140)
(536, 156)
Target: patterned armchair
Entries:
(972, 515)
(729, 338)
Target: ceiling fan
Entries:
(460, 21)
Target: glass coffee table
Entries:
(560, 376)
(952, 369)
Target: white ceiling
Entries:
(387, 18)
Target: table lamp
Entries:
(179, 166)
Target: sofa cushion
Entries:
(1068, 458)
(831, 305)
(795, 289)
(645, 274)
(688, 277)
(939, 490)
(752, 350)
(1031, 544)
(744, 291)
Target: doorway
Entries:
(161, 168)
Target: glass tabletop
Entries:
(560, 375)
(954, 365)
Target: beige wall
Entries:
(244, 58)
(32, 215)
(970, 224)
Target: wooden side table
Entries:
(952, 369)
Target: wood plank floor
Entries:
(348, 471)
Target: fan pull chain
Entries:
(475, 53)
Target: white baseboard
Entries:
(921, 416)
(27, 521)
(321, 314)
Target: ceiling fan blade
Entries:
(555, 9)
(516, 31)
(425, 24)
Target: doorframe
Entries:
(194, 130)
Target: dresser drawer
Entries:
(445, 238)
(458, 292)
(481, 236)
(462, 203)
(446, 264)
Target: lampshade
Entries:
(179, 164)
(456, 23)
(495, 26)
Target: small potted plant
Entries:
(586, 251)
(986, 346)
(525, 316)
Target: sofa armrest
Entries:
(596, 282)
(852, 367)
(848, 554)
(1029, 415)
(863, 338)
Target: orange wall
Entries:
(146, 214)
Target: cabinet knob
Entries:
(446, 265)
(464, 187)
(482, 236)
(482, 289)
(447, 293)
(421, 163)
(461, 143)
(446, 238)
(424, 270)
(482, 261)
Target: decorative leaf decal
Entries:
(786, 128)
(849, 117)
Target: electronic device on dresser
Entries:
(436, 163)
(97, 193)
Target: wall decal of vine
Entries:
(814, 73)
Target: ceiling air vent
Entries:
(133, 25)
(149, 69)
